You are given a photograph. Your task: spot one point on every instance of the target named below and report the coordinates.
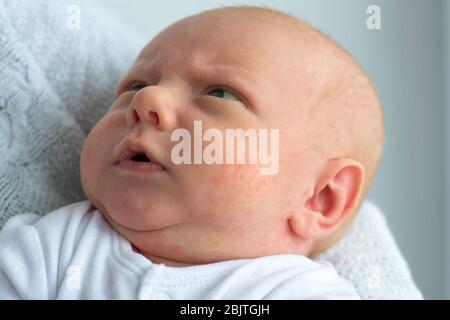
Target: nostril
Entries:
(153, 117)
(135, 115)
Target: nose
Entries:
(153, 105)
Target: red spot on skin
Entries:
(219, 178)
(210, 198)
(237, 186)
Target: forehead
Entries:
(221, 40)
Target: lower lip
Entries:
(135, 166)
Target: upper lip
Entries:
(129, 148)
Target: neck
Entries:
(160, 260)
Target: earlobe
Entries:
(305, 224)
(336, 193)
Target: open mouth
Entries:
(134, 158)
(140, 157)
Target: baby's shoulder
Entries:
(36, 250)
(55, 223)
(55, 235)
(291, 276)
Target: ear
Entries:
(335, 195)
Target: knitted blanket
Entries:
(56, 82)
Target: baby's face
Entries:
(228, 74)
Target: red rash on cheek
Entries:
(231, 184)
(232, 192)
(216, 189)
(219, 178)
(239, 180)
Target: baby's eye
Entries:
(222, 93)
(136, 86)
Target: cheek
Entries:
(97, 152)
(86, 169)
(237, 186)
(89, 164)
(103, 137)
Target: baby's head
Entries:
(247, 68)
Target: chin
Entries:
(138, 215)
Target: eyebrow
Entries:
(135, 71)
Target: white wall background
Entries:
(446, 24)
(405, 59)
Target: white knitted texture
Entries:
(55, 83)
(369, 258)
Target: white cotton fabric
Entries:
(73, 253)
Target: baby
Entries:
(155, 229)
